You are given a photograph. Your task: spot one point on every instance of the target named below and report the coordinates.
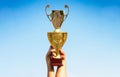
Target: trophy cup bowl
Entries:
(57, 40)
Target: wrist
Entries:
(61, 71)
(50, 68)
(61, 67)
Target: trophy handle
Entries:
(47, 6)
(66, 6)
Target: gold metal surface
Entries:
(57, 38)
(57, 18)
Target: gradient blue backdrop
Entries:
(92, 47)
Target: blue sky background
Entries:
(92, 46)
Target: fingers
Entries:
(50, 49)
(51, 52)
(62, 54)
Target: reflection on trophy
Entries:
(57, 38)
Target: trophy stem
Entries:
(57, 54)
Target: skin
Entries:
(61, 70)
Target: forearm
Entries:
(50, 72)
(61, 71)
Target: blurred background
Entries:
(92, 47)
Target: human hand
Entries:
(52, 54)
(61, 70)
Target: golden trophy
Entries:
(57, 38)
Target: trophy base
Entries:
(57, 62)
